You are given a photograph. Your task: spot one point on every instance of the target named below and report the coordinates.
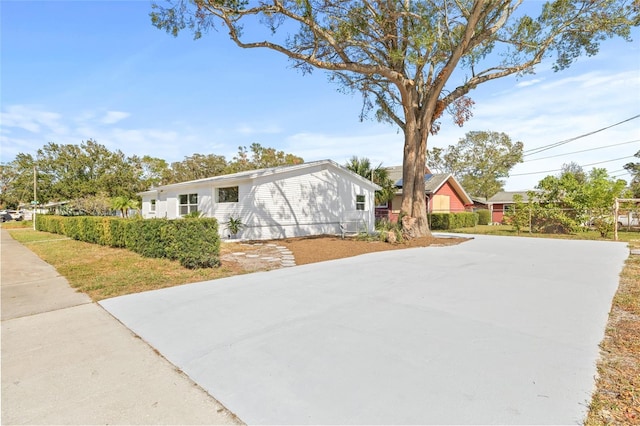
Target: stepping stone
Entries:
(271, 245)
(239, 253)
(253, 256)
(288, 257)
(288, 263)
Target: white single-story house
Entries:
(313, 198)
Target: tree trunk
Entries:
(413, 194)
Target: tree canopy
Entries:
(411, 60)
(575, 198)
(634, 169)
(97, 179)
(481, 161)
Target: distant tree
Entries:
(519, 215)
(480, 161)
(197, 166)
(362, 167)
(95, 205)
(71, 172)
(151, 171)
(16, 181)
(576, 203)
(411, 61)
(259, 157)
(634, 169)
(575, 169)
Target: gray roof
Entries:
(395, 173)
(253, 174)
(431, 181)
(503, 197)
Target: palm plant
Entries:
(123, 204)
(362, 167)
(234, 224)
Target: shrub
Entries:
(144, 236)
(484, 216)
(385, 228)
(444, 221)
(118, 229)
(195, 243)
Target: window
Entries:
(153, 206)
(228, 195)
(188, 203)
(360, 201)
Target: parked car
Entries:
(623, 220)
(16, 215)
(5, 217)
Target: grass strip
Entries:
(616, 400)
(103, 272)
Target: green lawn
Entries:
(508, 230)
(103, 272)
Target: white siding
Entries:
(299, 202)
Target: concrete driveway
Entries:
(497, 330)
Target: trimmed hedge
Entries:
(195, 243)
(484, 216)
(444, 221)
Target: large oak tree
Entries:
(481, 161)
(411, 60)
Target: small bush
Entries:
(195, 243)
(444, 221)
(484, 216)
(385, 228)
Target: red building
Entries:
(443, 193)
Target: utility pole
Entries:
(35, 194)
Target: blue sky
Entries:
(78, 70)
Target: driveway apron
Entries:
(496, 330)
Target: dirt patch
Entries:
(318, 249)
(253, 256)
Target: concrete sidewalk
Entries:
(67, 361)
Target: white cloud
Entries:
(31, 119)
(529, 82)
(113, 117)
(384, 147)
(246, 129)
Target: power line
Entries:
(558, 170)
(584, 150)
(557, 144)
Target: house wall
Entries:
(455, 203)
(288, 204)
(497, 213)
